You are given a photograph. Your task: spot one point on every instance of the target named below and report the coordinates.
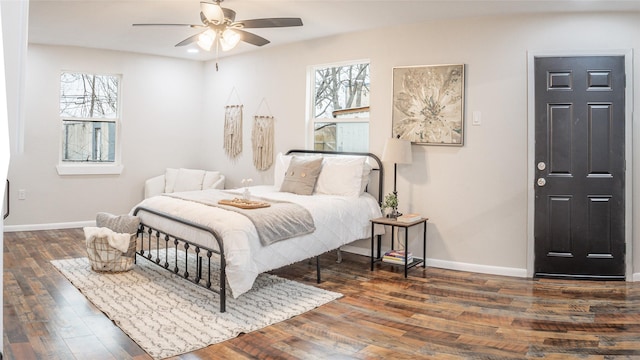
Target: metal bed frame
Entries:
(147, 235)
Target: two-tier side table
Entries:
(394, 223)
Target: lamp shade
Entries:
(397, 151)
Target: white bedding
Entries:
(339, 220)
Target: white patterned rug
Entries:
(167, 315)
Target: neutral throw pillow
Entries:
(301, 175)
(189, 180)
(280, 168)
(118, 223)
(210, 178)
(170, 179)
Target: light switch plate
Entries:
(476, 118)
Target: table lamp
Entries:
(397, 151)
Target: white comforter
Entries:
(338, 220)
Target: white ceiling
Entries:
(106, 24)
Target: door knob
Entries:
(541, 182)
(542, 166)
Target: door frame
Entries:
(628, 231)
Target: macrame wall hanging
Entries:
(262, 142)
(262, 138)
(233, 128)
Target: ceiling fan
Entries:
(220, 28)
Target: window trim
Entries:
(71, 168)
(89, 169)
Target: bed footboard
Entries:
(156, 240)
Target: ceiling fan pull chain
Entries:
(217, 47)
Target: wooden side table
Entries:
(406, 225)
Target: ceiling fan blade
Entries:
(189, 40)
(271, 22)
(251, 38)
(229, 14)
(165, 25)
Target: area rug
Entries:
(167, 315)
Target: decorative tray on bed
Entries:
(244, 204)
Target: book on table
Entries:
(397, 257)
(407, 218)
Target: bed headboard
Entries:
(376, 167)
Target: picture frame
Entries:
(428, 104)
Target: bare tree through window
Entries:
(89, 111)
(341, 107)
(340, 88)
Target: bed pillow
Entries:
(366, 171)
(302, 174)
(188, 180)
(343, 175)
(170, 179)
(210, 178)
(280, 168)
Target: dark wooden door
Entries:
(580, 167)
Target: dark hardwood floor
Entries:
(434, 313)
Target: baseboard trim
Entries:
(476, 268)
(356, 250)
(51, 226)
(453, 265)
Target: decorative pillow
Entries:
(170, 179)
(210, 178)
(343, 175)
(118, 223)
(301, 175)
(280, 168)
(188, 180)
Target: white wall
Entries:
(476, 195)
(14, 21)
(161, 121)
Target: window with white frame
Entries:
(89, 111)
(340, 100)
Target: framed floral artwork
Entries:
(428, 104)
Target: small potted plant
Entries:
(390, 205)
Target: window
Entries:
(340, 113)
(89, 111)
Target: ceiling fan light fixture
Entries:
(206, 40)
(229, 40)
(220, 29)
(213, 12)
